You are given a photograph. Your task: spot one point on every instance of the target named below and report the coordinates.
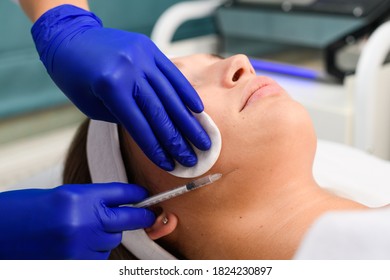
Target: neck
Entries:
(271, 224)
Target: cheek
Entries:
(216, 105)
(220, 107)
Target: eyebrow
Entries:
(215, 56)
(212, 56)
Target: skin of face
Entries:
(268, 147)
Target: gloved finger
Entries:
(124, 108)
(182, 86)
(139, 128)
(105, 242)
(181, 116)
(165, 131)
(126, 218)
(114, 194)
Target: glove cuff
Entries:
(55, 25)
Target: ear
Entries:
(165, 224)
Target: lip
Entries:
(257, 88)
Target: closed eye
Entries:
(215, 56)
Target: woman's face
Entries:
(256, 117)
(261, 126)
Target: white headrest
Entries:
(106, 165)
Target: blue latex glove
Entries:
(70, 221)
(122, 77)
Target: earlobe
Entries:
(165, 224)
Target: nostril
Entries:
(237, 75)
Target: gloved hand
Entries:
(122, 77)
(70, 221)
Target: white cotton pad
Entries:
(206, 159)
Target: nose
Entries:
(237, 67)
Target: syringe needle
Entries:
(204, 181)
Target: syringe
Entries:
(152, 200)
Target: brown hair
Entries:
(76, 165)
(76, 172)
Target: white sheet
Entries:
(346, 235)
(352, 173)
(362, 235)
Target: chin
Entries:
(297, 119)
(284, 125)
(299, 132)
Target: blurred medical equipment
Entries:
(329, 32)
(345, 106)
(168, 23)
